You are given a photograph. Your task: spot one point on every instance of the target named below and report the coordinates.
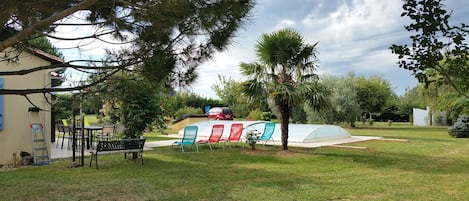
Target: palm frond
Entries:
(316, 96)
(252, 88)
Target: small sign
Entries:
(207, 108)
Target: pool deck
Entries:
(58, 153)
(323, 143)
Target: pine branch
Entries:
(66, 65)
(25, 92)
(81, 38)
(29, 31)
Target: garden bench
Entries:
(118, 146)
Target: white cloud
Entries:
(379, 61)
(353, 35)
(356, 35)
(359, 19)
(286, 23)
(225, 64)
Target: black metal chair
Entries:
(66, 133)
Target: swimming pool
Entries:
(297, 132)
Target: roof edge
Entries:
(44, 55)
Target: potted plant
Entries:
(252, 137)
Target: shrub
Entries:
(460, 129)
(266, 116)
(134, 102)
(257, 114)
(187, 111)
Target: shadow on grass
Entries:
(208, 174)
(231, 174)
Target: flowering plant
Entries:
(252, 137)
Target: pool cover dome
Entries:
(297, 132)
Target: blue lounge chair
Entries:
(190, 134)
(268, 132)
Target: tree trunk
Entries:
(430, 116)
(284, 120)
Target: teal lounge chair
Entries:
(190, 134)
(268, 132)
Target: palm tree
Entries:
(285, 72)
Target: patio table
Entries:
(89, 132)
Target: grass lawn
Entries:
(431, 166)
(154, 136)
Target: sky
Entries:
(353, 35)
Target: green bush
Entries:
(254, 114)
(187, 111)
(460, 129)
(257, 114)
(266, 116)
(63, 106)
(135, 102)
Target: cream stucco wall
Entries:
(16, 135)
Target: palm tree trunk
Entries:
(284, 120)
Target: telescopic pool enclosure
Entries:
(301, 133)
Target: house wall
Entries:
(16, 135)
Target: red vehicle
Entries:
(220, 113)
